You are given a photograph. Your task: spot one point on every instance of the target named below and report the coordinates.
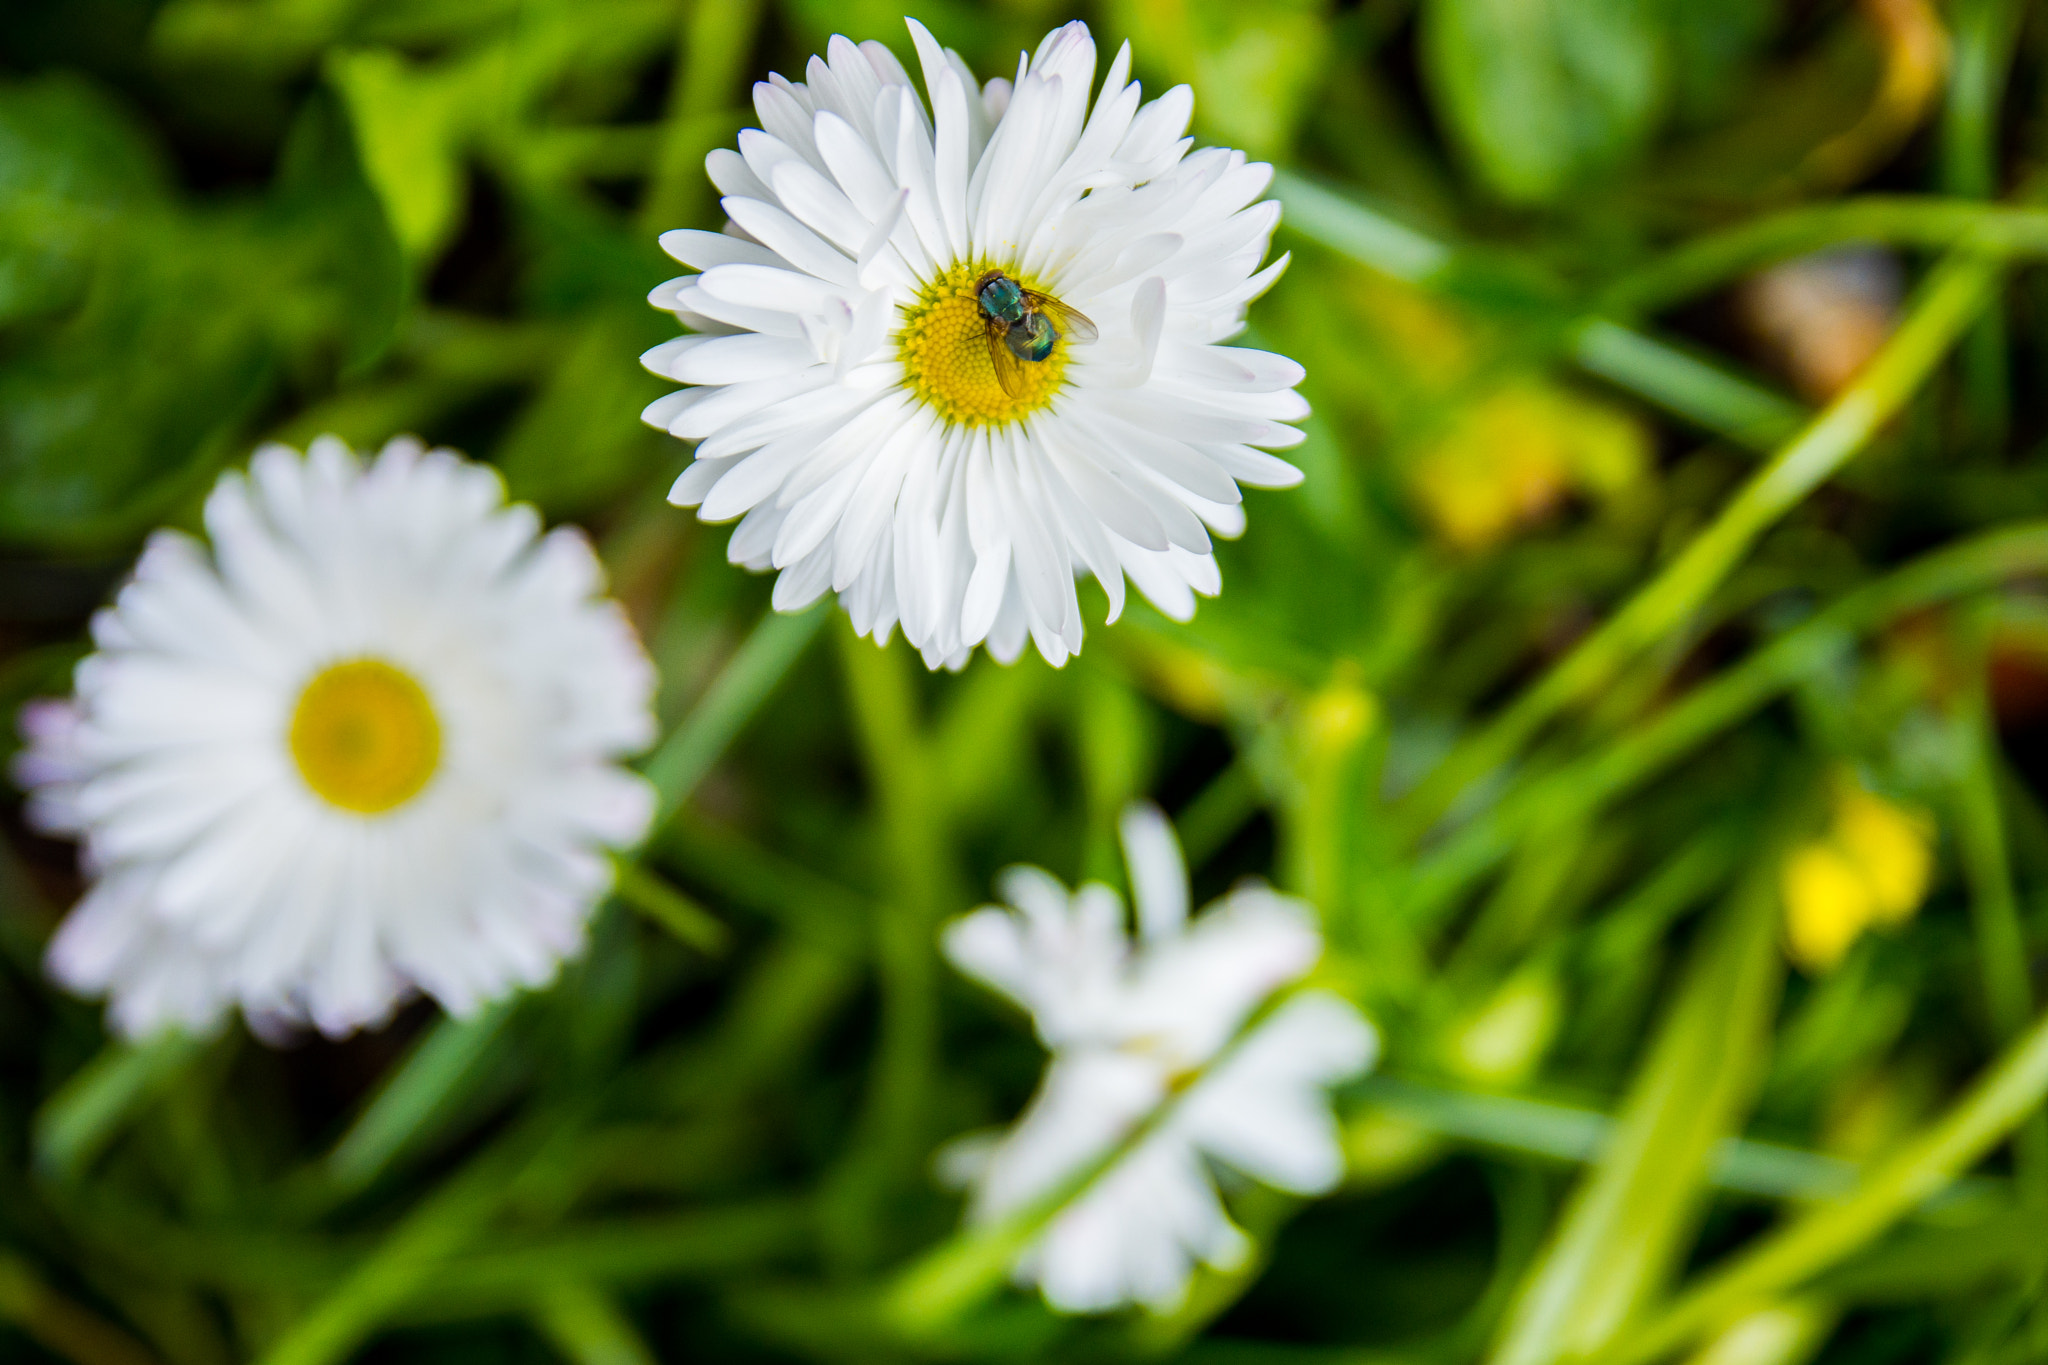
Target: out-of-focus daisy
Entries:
(365, 745)
(851, 407)
(1149, 1035)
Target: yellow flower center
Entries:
(944, 343)
(365, 736)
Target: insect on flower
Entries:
(1023, 326)
(888, 383)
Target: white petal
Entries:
(1159, 877)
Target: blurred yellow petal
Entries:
(1511, 457)
(1893, 847)
(1828, 903)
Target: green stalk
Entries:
(1676, 380)
(1629, 1220)
(90, 1109)
(1217, 812)
(1519, 1127)
(1999, 1101)
(1713, 706)
(1953, 295)
(624, 1252)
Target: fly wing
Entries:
(1072, 323)
(1009, 369)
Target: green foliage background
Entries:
(1531, 687)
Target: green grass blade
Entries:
(61, 1326)
(2011, 1089)
(727, 705)
(1952, 297)
(426, 1084)
(1685, 384)
(1730, 697)
(88, 1111)
(1628, 1222)
(1717, 258)
(587, 1327)
(690, 922)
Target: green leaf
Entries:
(1255, 69)
(1544, 94)
(119, 404)
(410, 127)
(68, 159)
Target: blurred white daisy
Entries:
(848, 403)
(1148, 1039)
(364, 746)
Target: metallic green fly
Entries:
(1023, 324)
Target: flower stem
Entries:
(1676, 380)
(408, 1257)
(690, 922)
(432, 1074)
(89, 1110)
(1984, 33)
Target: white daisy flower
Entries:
(848, 405)
(1152, 1033)
(365, 745)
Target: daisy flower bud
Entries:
(364, 744)
(1149, 1042)
(951, 352)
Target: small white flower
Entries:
(366, 745)
(847, 405)
(1152, 1033)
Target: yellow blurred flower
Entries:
(1338, 716)
(1827, 904)
(1512, 457)
(1892, 845)
(1871, 868)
